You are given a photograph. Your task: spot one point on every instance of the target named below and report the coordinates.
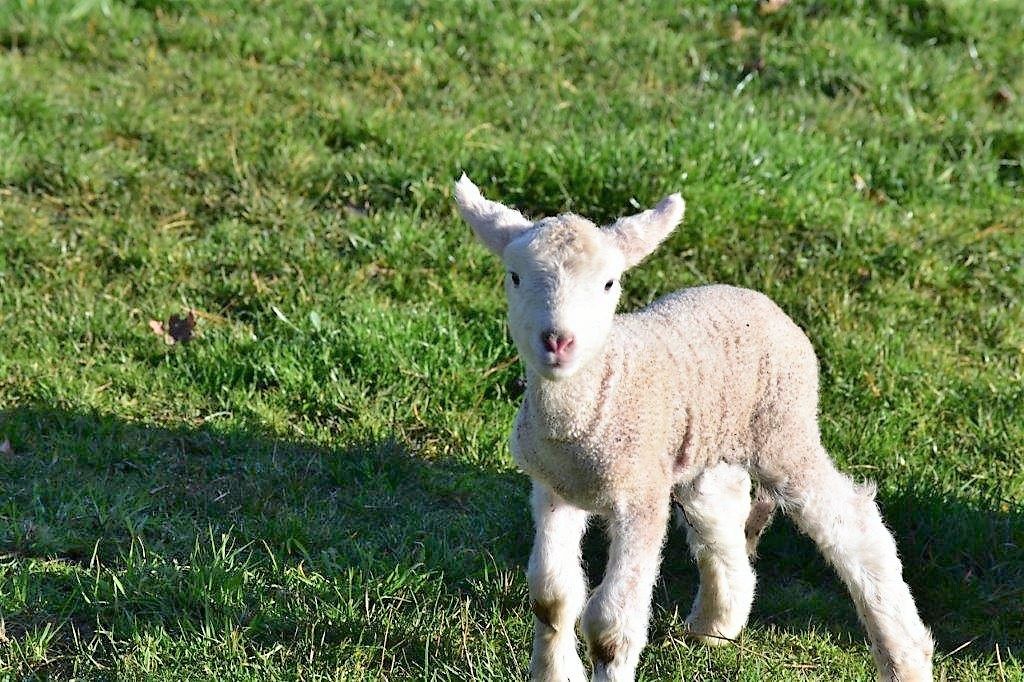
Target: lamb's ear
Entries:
(638, 235)
(494, 224)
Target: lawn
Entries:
(318, 484)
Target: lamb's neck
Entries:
(568, 406)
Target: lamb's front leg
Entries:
(558, 587)
(615, 620)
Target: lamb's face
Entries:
(563, 273)
(562, 282)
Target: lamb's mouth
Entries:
(552, 362)
(558, 366)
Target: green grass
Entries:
(318, 486)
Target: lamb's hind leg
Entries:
(716, 507)
(843, 520)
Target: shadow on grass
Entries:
(188, 529)
(80, 484)
(87, 490)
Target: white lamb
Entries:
(683, 399)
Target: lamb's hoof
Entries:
(907, 676)
(918, 671)
(711, 633)
(567, 667)
(575, 673)
(922, 674)
(912, 663)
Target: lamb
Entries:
(682, 401)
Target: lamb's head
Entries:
(562, 277)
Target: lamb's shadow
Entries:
(91, 489)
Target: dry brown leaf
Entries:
(181, 328)
(177, 329)
(766, 7)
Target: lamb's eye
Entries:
(515, 279)
(609, 284)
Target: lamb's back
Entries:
(712, 361)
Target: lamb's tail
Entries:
(762, 511)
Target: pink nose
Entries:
(559, 344)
